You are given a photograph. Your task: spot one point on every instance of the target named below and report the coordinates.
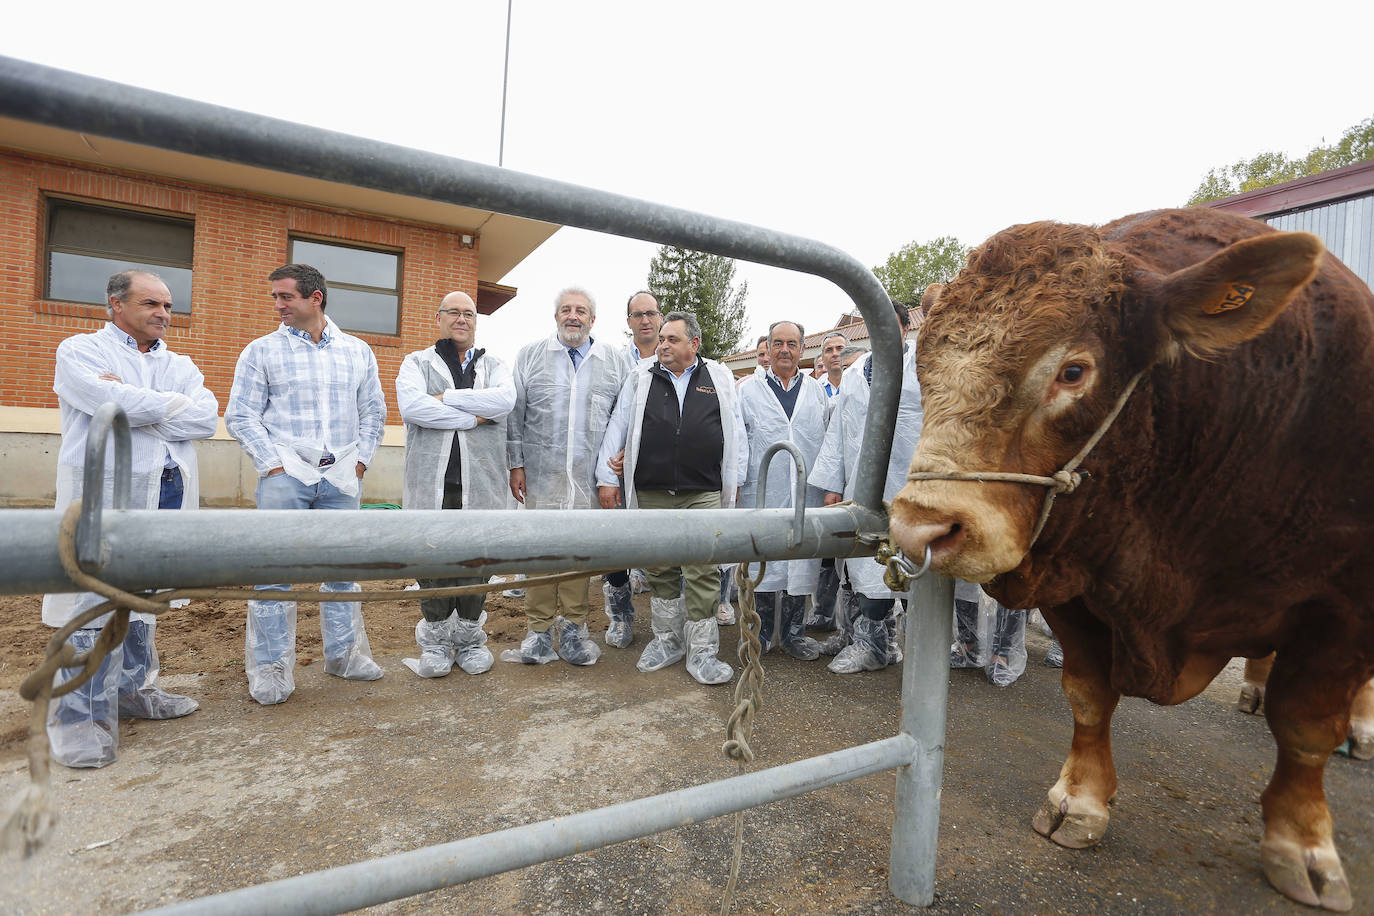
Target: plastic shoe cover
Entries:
(795, 642)
(470, 644)
(621, 613)
(821, 615)
(1055, 657)
(667, 646)
(835, 643)
(703, 647)
(515, 592)
(868, 651)
(1000, 673)
(725, 614)
(139, 695)
(347, 652)
(575, 645)
(537, 649)
(271, 684)
(766, 606)
(435, 639)
(639, 581)
(83, 726)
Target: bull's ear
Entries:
(1239, 291)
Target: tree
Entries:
(916, 265)
(684, 280)
(1270, 168)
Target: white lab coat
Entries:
(430, 426)
(627, 426)
(765, 422)
(839, 456)
(560, 416)
(164, 396)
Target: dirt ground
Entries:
(237, 794)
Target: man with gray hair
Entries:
(167, 404)
(565, 387)
(832, 359)
(678, 437)
(788, 405)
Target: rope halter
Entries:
(1065, 480)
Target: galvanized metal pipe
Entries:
(59, 98)
(350, 887)
(108, 420)
(146, 548)
(925, 697)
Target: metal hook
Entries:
(799, 493)
(109, 417)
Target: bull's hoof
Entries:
(1361, 745)
(1312, 875)
(1075, 829)
(1251, 698)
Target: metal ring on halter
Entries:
(908, 568)
(799, 493)
(109, 417)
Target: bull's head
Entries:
(1023, 355)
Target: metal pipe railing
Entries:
(350, 887)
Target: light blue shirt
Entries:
(294, 394)
(680, 383)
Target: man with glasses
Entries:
(454, 399)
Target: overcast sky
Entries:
(862, 124)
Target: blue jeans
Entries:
(273, 620)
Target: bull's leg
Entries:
(1252, 691)
(1362, 723)
(1075, 813)
(1307, 704)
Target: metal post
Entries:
(925, 693)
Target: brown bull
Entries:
(1228, 510)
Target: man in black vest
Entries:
(678, 437)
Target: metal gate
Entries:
(133, 550)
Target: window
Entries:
(86, 244)
(364, 284)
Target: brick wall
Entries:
(239, 240)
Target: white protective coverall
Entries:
(559, 419)
(837, 463)
(164, 396)
(627, 427)
(430, 426)
(765, 423)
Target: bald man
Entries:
(454, 399)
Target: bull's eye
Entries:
(1072, 374)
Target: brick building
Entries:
(74, 209)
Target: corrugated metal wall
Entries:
(1347, 228)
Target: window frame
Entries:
(55, 202)
(398, 253)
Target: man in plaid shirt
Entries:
(307, 407)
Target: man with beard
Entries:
(565, 387)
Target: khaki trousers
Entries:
(701, 584)
(545, 602)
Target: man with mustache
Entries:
(565, 387)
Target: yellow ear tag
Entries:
(1236, 295)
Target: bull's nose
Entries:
(915, 531)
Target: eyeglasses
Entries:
(455, 313)
(647, 313)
